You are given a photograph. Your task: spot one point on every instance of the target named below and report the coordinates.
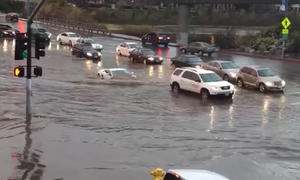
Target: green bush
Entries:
(226, 40)
(7, 6)
(294, 43)
(263, 43)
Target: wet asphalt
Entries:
(87, 128)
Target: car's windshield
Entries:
(88, 41)
(194, 60)
(229, 65)
(87, 47)
(133, 45)
(205, 44)
(210, 77)
(73, 35)
(41, 30)
(148, 52)
(265, 73)
(120, 72)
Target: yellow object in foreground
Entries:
(158, 174)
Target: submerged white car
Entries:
(125, 48)
(115, 73)
(192, 174)
(200, 81)
(68, 38)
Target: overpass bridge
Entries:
(184, 11)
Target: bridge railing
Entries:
(84, 28)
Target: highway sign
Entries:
(285, 31)
(286, 22)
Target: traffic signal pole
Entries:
(28, 75)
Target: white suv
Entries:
(200, 81)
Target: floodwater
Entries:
(87, 128)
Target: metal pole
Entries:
(285, 14)
(28, 76)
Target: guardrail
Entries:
(88, 29)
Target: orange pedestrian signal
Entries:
(19, 71)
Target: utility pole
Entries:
(28, 76)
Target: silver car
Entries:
(225, 69)
(262, 78)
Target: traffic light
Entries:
(40, 45)
(21, 46)
(19, 71)
(38, 71)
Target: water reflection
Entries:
(265, 110)
(99, 64)
(212, 117)
(150, 71)
(160, 71)
(5, 49)
(49, 46)
(29, 166)
(88, 64)
(230, 121)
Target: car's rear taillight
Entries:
(160, 38)
(168, 37)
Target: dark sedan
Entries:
(7, 31)
(156, 39)
(146, 56)
(83, 50)
(199, 48)
(187, 61)
(43, 33)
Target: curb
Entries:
(290, 60)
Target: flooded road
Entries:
(87, 128)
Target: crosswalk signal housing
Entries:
(38, 71)
(19, 71)
(21, 46)
(40, 45)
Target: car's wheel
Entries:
(119, 53)
(60, 42)
(166, 45)
(204, 94)
(262, 87)
(131, 58)
(240, 83)
(98, 74)
(226, 78)
(175, 87)
(183, 51)
(200, 53)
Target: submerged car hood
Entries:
(273, 78)
(231, 70)
(97, 46)
(129, 76)
(219, 83)
(91, 51)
